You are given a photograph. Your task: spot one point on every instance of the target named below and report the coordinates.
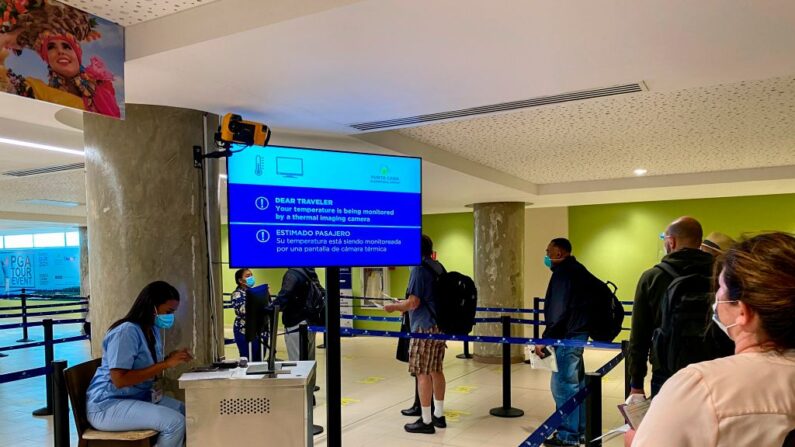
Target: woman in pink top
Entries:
(747, 399)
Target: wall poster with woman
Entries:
(56, 53)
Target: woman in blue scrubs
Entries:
(124, 393)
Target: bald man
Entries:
(682, 240)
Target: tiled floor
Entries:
(375, 388)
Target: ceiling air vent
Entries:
(47, 170)
(502, 107)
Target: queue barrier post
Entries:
(506, 410)
(48, 359)
(60, 405)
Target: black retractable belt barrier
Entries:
(60, 405)
(466, 354)
(48, 358)
(625, 351)
(536, 313)
(506, 411)
(24, 298)
(593, 409)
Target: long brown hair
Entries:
(760, 272)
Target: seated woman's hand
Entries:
(178, 357)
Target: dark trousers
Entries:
(243, 346)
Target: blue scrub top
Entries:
(124, 347)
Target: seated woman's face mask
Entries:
(164, 321)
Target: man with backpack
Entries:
(426, 357)
(301, 299)
(566, 317)
(670, 313)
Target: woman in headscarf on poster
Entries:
(55, 32)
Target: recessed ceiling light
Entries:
(640, 171)
(45, 147)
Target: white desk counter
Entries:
(228, 407)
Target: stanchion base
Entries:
(43, 412)
(321, 346)
(3, 355)
(510, 412)
(25, 340)
(464, 356)
(316, 429)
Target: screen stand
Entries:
(333, 359)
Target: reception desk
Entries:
(228, 407)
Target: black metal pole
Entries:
(303, 354)
(48, 359)
(24, 298)
(303, 341)
(466, 354)
(593, 410)
(625, 350)
(60, 418)
(506, 411)
(537, 312)
(333, 360)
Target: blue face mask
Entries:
(164, 321)
(548, 261)
(250, 281)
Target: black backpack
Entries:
(681, 338)
(456, 300)
(315, 303)
(605, 312)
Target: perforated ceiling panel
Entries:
(733, 126)
(130, 12)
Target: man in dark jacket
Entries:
(565, 314)
(292, 304)
(682, 240)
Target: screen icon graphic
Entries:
(289, 167)
(259, 165)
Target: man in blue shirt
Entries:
(426, 357)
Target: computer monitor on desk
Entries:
(270, 367)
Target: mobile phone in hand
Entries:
(545, 352)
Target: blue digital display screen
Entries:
(296, 207)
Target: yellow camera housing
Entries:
(234, 129)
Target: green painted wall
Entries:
(619, 241)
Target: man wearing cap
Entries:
(716, 243)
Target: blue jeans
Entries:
(167, 417)
(565, 383)
(243, 346)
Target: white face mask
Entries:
(717, 321)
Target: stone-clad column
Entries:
(85, 286)
(146, 222)
(499, 270)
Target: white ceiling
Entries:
(748, 124)
(130, 12)
(383, 59)
(717, 119)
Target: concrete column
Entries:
(146, 222)
(85, 286)
(499, 270)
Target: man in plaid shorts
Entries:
(425, 356)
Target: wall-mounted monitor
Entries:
(298, 207)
